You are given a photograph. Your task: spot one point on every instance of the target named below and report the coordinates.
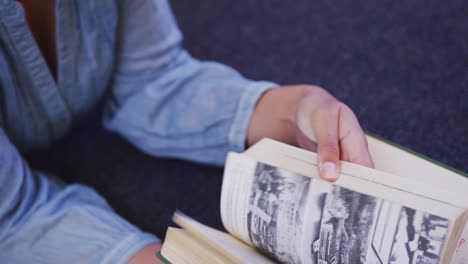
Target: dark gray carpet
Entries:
(401, 65)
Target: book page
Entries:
(180, 247)
(397, 161)
(227, 245)
(235, 193)
(356, 176)
(460, 255)
(295, 218)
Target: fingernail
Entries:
(329, 171)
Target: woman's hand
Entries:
(309, 117)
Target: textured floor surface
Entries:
(402, 66)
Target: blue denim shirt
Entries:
(158, 97)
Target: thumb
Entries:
(325, 127)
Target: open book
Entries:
(277, 209)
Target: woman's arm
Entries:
(170, 104)
(44, 221)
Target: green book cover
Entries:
(163, 259)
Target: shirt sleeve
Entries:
(44, 221)
(166, 102)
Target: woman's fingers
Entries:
(336, 131)
(353, 143)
